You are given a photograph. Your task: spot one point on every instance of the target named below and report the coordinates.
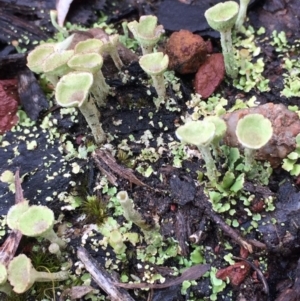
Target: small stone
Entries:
(186, 51)
(209, 75)
(286, 126)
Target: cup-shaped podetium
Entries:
(73, 90)
(201, 134)
(146, 32)
(38, 56)
(14, 214)
(88, 46)
(22, 275)
(56, 65)
(155, 64)
(92, 62)
(38, 221)
(222, 17)
(253, 132)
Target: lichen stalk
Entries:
(45, 276)
(130, 213)
(99, 89)
(116, 58)
(147, 49)
(212, 172)
(52, 236)
(159, 84)
(228, 54)
(92, 116)
(242, 14)
(249, 158)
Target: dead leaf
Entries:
(236, 273)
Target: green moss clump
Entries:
(95, 209)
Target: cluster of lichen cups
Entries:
(147, 33)
(253, 132)
(76, 75)
(32, 221)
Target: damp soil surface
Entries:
(165, 180)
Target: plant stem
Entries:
(228, 54)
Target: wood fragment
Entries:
(181, 233)
(32, 97)
(102, 277)
(228, 230)
(107, 164)
(9, 247)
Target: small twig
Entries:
(102, 277)
(9, 247)
(228, 230)
(103, 158)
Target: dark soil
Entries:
(171, 194)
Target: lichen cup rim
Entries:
(199, 133)
(67, 87)
(254, 131)
(222, 16)
(154, 63)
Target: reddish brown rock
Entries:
(236, 273)
(186, 51)
(8, 104)
(286, 126)
(209, 75)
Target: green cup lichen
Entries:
(222, 17)
(73, 90)
(201, 134)
(253, 132)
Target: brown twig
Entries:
(107, 164)
(228, 230)
(102, 277)
(9, 247)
